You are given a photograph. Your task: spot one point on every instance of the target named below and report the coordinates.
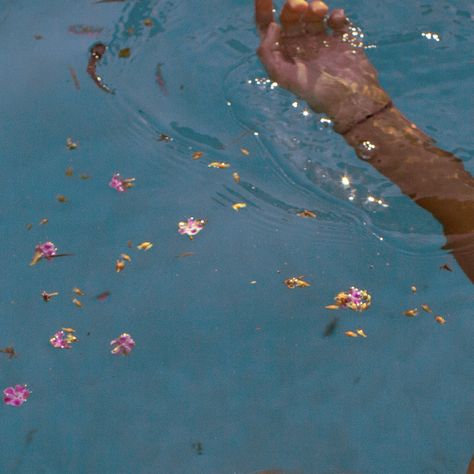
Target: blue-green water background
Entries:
(242, 368)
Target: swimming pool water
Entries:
(232, 372)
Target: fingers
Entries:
(291, 17)
(263, 14)
(270, 56)
(314, 17)
(337, 20)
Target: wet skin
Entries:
(319, 57)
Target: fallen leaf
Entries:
(306, 214)
(238, 205)
(77, 302)
(296, 282)
(145, 246)
(103, 296)
(71, 145)
(125, 53)
(446, 267)
(218, 164)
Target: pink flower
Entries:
(123, 344)
(16, 396)
(45, 250)
(355, 299)
(191, 227)
(119, 184)
(63, 339)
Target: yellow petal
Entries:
(69, 330)
(361, 333)
(145, 246)
(126, 257)
(119, 265)
(332, 306)
(411, 312)
(238, 205)
(440, 320)
(77, 302)
(426, 308)
(236, 177)
(219, 164)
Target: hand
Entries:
(329, 70)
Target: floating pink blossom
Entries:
(119, 184)
(16, 396)
(123, 344)
(45, 250)
(355, 299)
(191, 227)
(63, 339)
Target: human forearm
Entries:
(435, 179)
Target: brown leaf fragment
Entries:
(61, 198)
(332, 306)
(68, 330)
(125, 53)
(103, 296)
(166, 138)
(351, 334)
(446, 267)
(185, 254)
(74, 77)
(245, 151)
(296, 282)
(306, 214)
(148, 22)
(9, 351)
(426, 308)
(126, 257)
(119, 265)
(129, 244)
(71, 145)
(236, 177)
(197, 154)
(48, 296)
(84, 176)
(77, 302)
(440, 320)
(43, 221)
(411, 312)
(29, 226)
(219, 164)
(69, 171)
(361, 333)
(78, 291)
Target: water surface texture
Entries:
(232, 372)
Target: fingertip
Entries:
(263, 14)
(337, 19)
(293, 10)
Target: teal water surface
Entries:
(232, 372)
